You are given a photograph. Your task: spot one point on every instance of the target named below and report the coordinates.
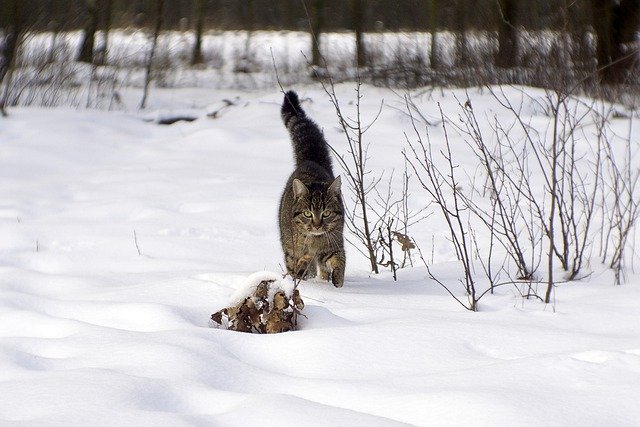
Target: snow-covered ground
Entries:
(120, 237)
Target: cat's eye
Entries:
(326, 214)
(307, 214)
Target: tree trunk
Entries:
(626, 17)
(11, 18)
(200, 9)
(85, 54)
(317, 23)
(358, 18)
(507, 35)
(152, 53)
(434, 54)
(462, 54)
(107, 11)
(615, 25)
(249, 23)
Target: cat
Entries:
(311, 210)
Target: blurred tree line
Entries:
(613, 24)
(377, 15)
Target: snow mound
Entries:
(251, 283)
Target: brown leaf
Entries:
(242, 323)
(254, 316)
(232, 311)
(278, 326)
(217, 316)
(297, 300)
(280, 301)
(404, 240)
(263, 289)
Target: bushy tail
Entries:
(307, 138)
(291, 107)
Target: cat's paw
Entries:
(337, 277)
(302, 270)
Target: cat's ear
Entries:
(335, 185)
(299, 189)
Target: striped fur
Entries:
(311, 215)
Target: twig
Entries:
(135, 240)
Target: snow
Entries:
(248, 288)
(120, 237)
(238, 59)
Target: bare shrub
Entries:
(149, 63)
(392, 221)
(541, 186)
(354, 164)
(48, 77)
(505, 220)
(620, 193)
(564, 211)
(443, 187)
(379, 219)
(39, 81)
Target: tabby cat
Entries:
(311, 209)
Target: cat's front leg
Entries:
(295, 266)
(302, 268)
(336, 263)
(323, 271)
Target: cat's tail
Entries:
(291, 107)
(307, 138)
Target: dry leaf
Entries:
(263, 289)
(404, 240)
(280, 301)
(297, 301)
(217, 316)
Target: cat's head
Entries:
(317, 207)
